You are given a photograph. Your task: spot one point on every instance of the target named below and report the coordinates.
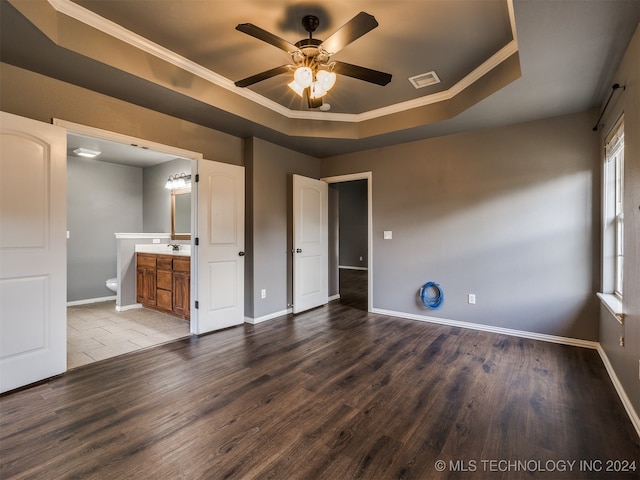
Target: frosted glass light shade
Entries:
(317, 91)
(326, 79)
(179, 180)
(303, 76)
(296, 88)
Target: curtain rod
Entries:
(614, 87)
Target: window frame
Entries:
(613, 210)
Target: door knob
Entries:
(242, 254)
(298, 250)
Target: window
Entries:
(613, 240)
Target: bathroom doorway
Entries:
(119, 190)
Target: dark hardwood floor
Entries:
(334, 393)
(353, 288)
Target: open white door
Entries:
(219, 285)
(33, 251)
(310, 243)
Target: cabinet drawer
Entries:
(182, 264)
(144, 260)
(164, 281)
(164, 262)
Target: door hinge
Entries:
(197, 241)
(197, 177)
(197, 304)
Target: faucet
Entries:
(174, 246)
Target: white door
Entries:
(310, 243)
(219, 285)
(33, 251)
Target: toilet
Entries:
(112, 284)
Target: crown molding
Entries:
(87, 17)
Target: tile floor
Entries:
(97, 331)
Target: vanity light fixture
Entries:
(179, 180)
(87, 153)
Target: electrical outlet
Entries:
(263, 293)
(156, 240)
(472, 298)
(360, 258)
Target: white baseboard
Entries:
(271, 316)
(90, 300)
(633, 415)
(575, 342)
(334, 297)
(128, 307)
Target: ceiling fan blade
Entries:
(260, 34)
(362, 73)
(262, 76)
(350, 31)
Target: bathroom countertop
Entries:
(185, 250)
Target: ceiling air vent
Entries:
(424, 79)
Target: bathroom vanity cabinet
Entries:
(163, 283)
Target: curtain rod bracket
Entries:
(614, 87)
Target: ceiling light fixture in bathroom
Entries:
(85, 152)
(179, 180)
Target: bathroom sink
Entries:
(164, 249)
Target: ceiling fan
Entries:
(314, 71)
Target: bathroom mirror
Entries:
(181, 214)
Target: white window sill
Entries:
(613, 304)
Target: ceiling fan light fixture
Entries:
(313, 69)
(316, 90)
(326, 79)
(303, 76)
(296, 88)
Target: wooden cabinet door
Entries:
(146, 286)
(181, 287)
(146, 279)
(149, 283)
(140, 285)
(181, 298)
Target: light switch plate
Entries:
(388, 234)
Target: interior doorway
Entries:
(350, 240)
(114, 187)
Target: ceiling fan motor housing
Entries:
(312, 54)
(310, 23)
